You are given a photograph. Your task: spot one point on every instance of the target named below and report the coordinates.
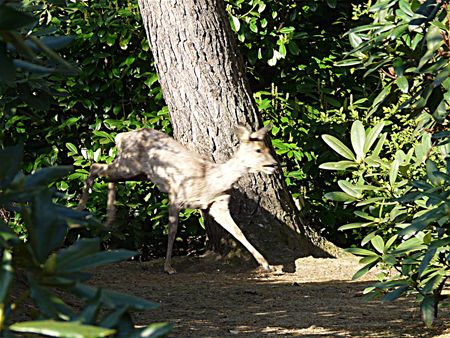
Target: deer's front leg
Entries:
(221, 213)
(173, 225)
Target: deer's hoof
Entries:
(268, 268)
(169, 270)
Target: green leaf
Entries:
(434, 38)
(235, 24)
(50, 305)
(381, 5)
(57, 42)
(372, 136)
(11, 160)
(371, 200)
(44, 176)
(113, 318)
(91, 310)
(426, 260)
(6, 276)
(421, 222)
(427, 307)
(261, 7)
(94, 260)
(393, 172)
(361, 252)
(348, 63)
(61, 329)
(341, 165)
(338, 147)
(72, 147)
(381, 97)
(114, 299)
(358, 138)
(339, 196)
(368, 237)
(402, 83)
(412, 244)
(441, 76)
(332, 3)
(32, 67)
(80, 249)
(361, 272)
(47, 229)
(356, 225)
(7, 237)
(349, 189)
(287, 30)
(12, 19)
(369, 259)
(389, 259)
(355, 40)
(393, 295)
(364, 28)
(282, 50)
(378, 243)
(421, 149)
(406, 7)
(253, 27)
(293, 48)
(7, 71)
(390, 242)
(364, 215)
(379, 145)
(432, 172)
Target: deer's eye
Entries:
(258, 150)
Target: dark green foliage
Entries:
(388, 98)
(49, 268)
(291, 48)
(79, 128)
(402, 193)
(33, 250)
(291, 68)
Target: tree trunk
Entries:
(204, 84)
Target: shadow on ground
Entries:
(209, 299)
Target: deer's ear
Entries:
(242, 133)
(261, 133)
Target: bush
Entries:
(47, 267)
(36, 254)
(401, 193)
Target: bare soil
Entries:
(209, 298)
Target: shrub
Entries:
(36, 254)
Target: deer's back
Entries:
(170, 165)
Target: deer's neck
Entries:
(223, 175)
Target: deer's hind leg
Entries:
(110, 207)
(97, 170)
(119, 170)
(221, 213)
(173, 226)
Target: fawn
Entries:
(190, 180)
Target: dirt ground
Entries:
(208, 298)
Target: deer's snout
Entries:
(271, 166)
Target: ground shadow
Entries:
(218, 303)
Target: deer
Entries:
(189, 179)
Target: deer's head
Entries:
(253, 152)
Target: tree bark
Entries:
(204, 84)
